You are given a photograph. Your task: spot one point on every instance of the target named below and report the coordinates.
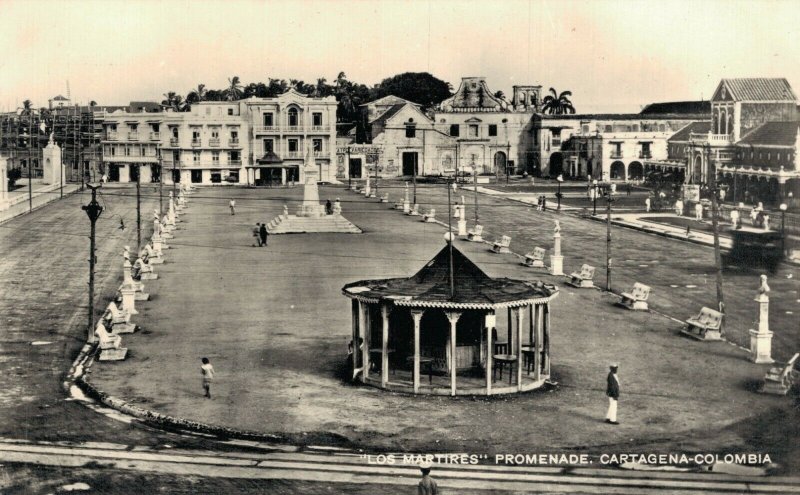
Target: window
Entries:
(175, 132)
(493, 129)
(293, 145)
(269, 146)
(454, 130)
(230, 111)
(607, 128)
(234, 135)
(133, 127)
(584, 129)
(411, 131)
(176, 156)
(233, 156)
(127, 151)
(196, 135)
(215, 157)
(268, 120)
(196, 156)
(473, 130)
(317, 144)
(317, 119)
(113, 151)
(154, 127)
(214, 133)
(293, 120)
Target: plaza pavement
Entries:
(275, 326)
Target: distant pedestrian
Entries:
(647, 204)
(612, 391)
(544, 203)
(328, 208)
(679, 208)
(735, 218)
(263, 233)
(753, 216)
(688, 230)
(539, 203)
(257, 233)
(427, 485)
(232, 204)
(628, 188)
(208, 375)
(698, 211)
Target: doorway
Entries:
(113, 172)
(355, 168)
(410, 163)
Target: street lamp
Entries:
(93, 211)
(714, 190)
(594, 197)
(783, 208)
(475, 190)
(559, 180)
(609, 194)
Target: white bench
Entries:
(414, 211)
(475, 235)
(119, 320)
(636, 299)
(501, 246)
(707, 325)
(429, 217)
(385, 198)
(143, 271)
(110, 346)
(583, 278)
(779, 381)
(535, 258)
(399, 205)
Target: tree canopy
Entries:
(419, 87)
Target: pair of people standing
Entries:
(260, 233)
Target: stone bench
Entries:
(109, 345)
(583, 278)
(636, 299)
(399, 205)
(429, 217)
(385, 198)
(118, 320)
(143, 271)
(501, 246)
(707, 325)
(778, 381)
(535, 258)
(414, 212)
(475, 235)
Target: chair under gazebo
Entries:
(443, 322)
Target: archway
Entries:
(635, 171)
(617, 170)
(500, 162)
(697, 170)
(556, 164)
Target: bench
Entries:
(535, 258)
(119, 320)
(108, 344)
(707, 325)
(475, 234)
(636, 299)
(429, 217)
(399, 205)
(501, 246)
(779, 381)
(150, 255)
(385, 198)
(143, 271)
(414, 211)
(583, 278)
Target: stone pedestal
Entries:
(761, 339)
(462, 228)
(556, 260)
(406, 207)
(51, 163)
(367, 189)
(157, 245)
(128, 299)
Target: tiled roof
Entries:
(391, 112)
(760, 89)
(60, 98)
(693, 128)
(388, 100)
(772, 133)
(677, 107)
(431, 285)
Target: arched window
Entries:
(723, 123)
(293, 117)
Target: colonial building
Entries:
(748, 142)
(255, 141)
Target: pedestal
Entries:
(128, 299)
(462, 228)
(556, 265)
(406, 207)
(761, 347)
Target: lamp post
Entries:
(609, 194)
(594, 197)
(475, 191)
(559, 180)
(712, 184)
(783, 208)
(414, 178)
(93, 211)
(160, 181)
(449, 239)
(138, 207)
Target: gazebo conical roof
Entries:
(430, 287)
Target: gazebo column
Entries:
(416, 314)
(385, 310)
(453, 317)
(520, 317)
(509, 333)
(490, 324)
(546, 339)
(363, 325)
(356, 335)
(537, 344)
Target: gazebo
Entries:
(447, 327)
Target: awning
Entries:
(269, 157)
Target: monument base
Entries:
(556, 265)
(761, 347)
(293, 224)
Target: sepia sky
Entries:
(614, 55)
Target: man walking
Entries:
(647, 204)
(612, 391)
(208, 375)
(257, 233)
(698, 211)
(232, 204)
(263, 233)
(426, 486)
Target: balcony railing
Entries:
(265, 128)
(317, 128)
(645, 154)
(173, 141)
(293, 154)
(235, 163)
(111, 136)
(712, 138)
(616, 154)
(133, 136)
(233, 142)
(321, 154)
(195, 143)
(556, 141)
(155, 136)
(292, 128)
(213, 142)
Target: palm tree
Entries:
(197, 95)
(27, 107)
(234, 91)
(174, 101)
(557, 104)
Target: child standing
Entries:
(208, 375)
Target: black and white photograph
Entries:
(418, 247)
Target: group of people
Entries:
(541, 204)
(260, 233)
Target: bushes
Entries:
(13, 175)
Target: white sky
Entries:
(614, 55)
